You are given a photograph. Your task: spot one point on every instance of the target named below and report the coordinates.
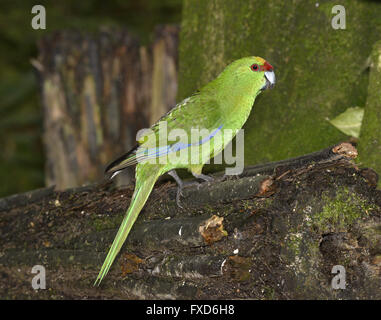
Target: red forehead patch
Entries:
(266, 67)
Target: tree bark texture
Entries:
(321, 71)
(370, 135)
(275, 232)
(97, 91)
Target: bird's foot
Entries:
(181, 185)
(179, 193)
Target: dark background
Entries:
(22, 157)
(321, 73)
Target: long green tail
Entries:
(143, 188)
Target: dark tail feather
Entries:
(122, 162)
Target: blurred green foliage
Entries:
(22, 157)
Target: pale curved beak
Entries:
(270, 80)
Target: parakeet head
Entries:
(250, 75)
(261, 66)
(254, 69)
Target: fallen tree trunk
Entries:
(275, 232)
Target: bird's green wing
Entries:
(192, 113)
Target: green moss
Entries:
(319, 70)
(266, 203)
(109, 223)
(340, 213)
(269, 293)
(370, 135)
(294, 241)
(302, 258)
(301, 245)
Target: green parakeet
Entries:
(222, 104)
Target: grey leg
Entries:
(181, 184)
(174, 175)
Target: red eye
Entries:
(254, 67)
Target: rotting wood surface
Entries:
(274, 232)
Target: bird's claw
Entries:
(204, 177)
(225, 177)
(180, 194)
(182, 185)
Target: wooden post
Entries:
(97, 92)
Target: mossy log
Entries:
(275, 232)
